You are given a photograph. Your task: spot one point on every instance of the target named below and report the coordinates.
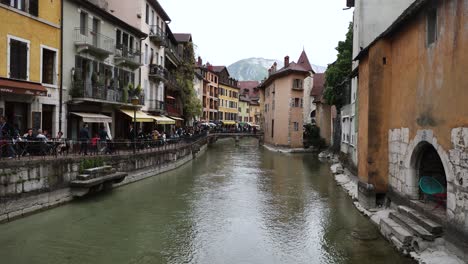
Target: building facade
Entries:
(149, 17)
(101, 69)
(210, 101)
(30, 70)
(250, 91)
(368, 23)
(283, 105)
(228, 96)
(413, 116)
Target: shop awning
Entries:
(170, 97)
(140, 116)
(229, 122)
(162, 120)
(22, 87)
(176, 118)
(93, 118)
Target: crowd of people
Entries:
(32, 142)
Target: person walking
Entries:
(103, 137)
(5, 138)
(84, 138)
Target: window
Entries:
(152, 17)
(151, 56)
(146, 53)
(296, 102)
(118, 37)
(49, 71)
(33, 7)
(157, 58)
(19, 59)
(157, 21)
(431, 26)
(296, 126)
(147, 14)
(240, 110)
(297, 84)
(84, 23)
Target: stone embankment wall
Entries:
(28, 186)
(403, 175)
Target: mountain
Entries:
(257, 68)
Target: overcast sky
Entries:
(226, 31)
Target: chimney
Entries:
(274, 66)
(286, 61)
(200, 62)
(269, 72)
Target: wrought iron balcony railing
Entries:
(88, 40)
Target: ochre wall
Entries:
(430, 84)
(419, 87)
(363, 120)
(36, 32)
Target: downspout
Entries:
(61, 68)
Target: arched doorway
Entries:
(427, 163)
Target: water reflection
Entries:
(233, 205)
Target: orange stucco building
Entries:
(282, 109)
(413, 115)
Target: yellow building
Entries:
(228, 96)
(250, 93)
(29, 68)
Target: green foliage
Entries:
(91, 163)
(138, 90)
(338, 72)
(184, 76)
(312, 137)
(125, 94)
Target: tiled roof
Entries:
(218, 68)
(319, 84)
(304, 62)
(249, 88)
(183, 37)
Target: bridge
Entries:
(237, 136)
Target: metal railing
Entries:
(156, 105)
(54, 148)
(158, 34)
(124, 52)
(157, 71)
(85, 36)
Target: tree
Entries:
(337, 73)
(184, 75)
(337, 81)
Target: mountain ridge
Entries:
(256, 68)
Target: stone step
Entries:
(391, 228)
(412, 226)
(422, 220)
(83, 177)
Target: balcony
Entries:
(158, 36)
(124, 56)
(171, 81)
(98, 92)
(156, 106)
(171, 52)
(173, 110)
(92, 42)
(157, 72)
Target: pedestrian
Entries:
(5, 138)
(103, 137)
(84, 138)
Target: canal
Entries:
(232, 205)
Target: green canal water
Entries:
(232, 205)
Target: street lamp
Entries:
(135, 102)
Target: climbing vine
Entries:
(184, 75)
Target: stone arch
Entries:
(423, 141)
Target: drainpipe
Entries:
(61, 67)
